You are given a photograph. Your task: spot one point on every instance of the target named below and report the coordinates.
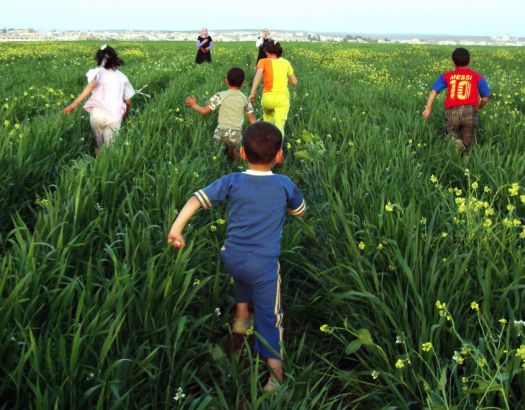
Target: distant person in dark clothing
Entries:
(262, 41)
(204, 46)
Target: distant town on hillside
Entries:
(28, 34)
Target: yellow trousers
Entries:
(275, 108)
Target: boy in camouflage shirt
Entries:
(233, 105)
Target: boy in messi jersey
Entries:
(232, 105)
(258, 203)
(467, 93)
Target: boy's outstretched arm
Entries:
(430, 102)
(81, 97)
(251, 117)
(482, 102)
(191, 101)
(256, 81)
(175, 237)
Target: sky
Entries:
(448, 17)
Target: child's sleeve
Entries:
(215, 101)
(92, 73)
(295, 201)
(129, 91)
(215, 192)
(262, 64)
(483, 88)
(290, 70)
(440, 84)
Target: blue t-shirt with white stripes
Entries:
(258, 203)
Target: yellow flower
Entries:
(380, 247)
(482, 362)
(520, 352)
(503, 321)
(510, 208)
(433, 179)
(213, 228)
(6, 123)
(458, 358)
(444, 234)
(361, 245)
(196, 282)
(522, 199)
(400, 364)
(474, 185)
(487, 223)
(423, 220)
(474, 306)
(514, 189)
(440, 305)
(288, 145)
(325, 328)
(221, 221)
(410, 141)
(427, 347)
(457, 191)
(489, 211)
(486, 189)
(389, 207)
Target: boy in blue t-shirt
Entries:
(258, 203)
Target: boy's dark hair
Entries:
(235, 77)
(274, 48)
(111, 56)
(461, 57)
(261, 142)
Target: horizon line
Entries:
(341, 33)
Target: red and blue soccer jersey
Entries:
(258, 204)
(464, 87)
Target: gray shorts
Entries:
(227, 136)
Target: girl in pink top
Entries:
(111, 94)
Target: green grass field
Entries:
(403, 286)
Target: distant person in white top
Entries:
(111, 94)
(262, 41)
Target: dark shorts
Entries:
(462, 123)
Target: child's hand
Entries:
(68, 109)
(190, 101)
(176, 240)
(251, 98)
(426, 113)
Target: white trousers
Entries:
(104, 126)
